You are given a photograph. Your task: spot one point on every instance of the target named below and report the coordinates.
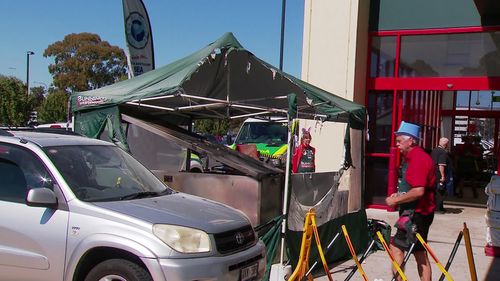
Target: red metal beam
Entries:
(437, 83)
(435, 31)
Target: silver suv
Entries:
(74, 208)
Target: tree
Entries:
(216, 127)
(38, 95)
(84, 62)
(15, 105)
(54, 108)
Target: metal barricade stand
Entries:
(452, 254)
(394, 262)
(353, 253)
(434, 257)
(470, 255)
(326, 251)
(405, 260)
(361, 260)
(303, 263)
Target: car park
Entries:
(75, 208)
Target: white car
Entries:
(75, 208)
(58, 125)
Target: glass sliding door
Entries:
(379, 141)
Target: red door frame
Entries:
(433, 87)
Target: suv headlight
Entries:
(183, 239)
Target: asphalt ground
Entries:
(442, 236)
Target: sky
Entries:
(179, 28)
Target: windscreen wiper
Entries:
(143, 194)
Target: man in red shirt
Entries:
(415, 198)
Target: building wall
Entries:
(334, 53)
(329, 144)
(334, 58)
(327, 49)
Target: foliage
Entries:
(84, 62)
(15, 105)
(212, 127)
(38, 95)
(216, 127)
(54, 108)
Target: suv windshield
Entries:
(270, 133)
(104, 173)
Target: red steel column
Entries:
(392, 180)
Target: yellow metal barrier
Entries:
(353, 253)
(305, 247)
(470, 255)
(434, 257)
(388, 251)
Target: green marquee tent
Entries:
(222, 80)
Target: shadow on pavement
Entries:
(454, 210)
(494, 270)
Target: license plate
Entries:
(249, 272)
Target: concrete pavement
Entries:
(442, 236)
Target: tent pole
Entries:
(287, 180)
(188, 151)
(228, 85)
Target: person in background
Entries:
(443, 164)
(303, 160)
(467, 156)
(415, 199)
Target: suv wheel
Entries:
(118, 270)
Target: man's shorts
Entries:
(403, 240)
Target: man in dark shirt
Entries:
(442, 161)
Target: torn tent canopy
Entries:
(222, 80)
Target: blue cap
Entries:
(408, 129)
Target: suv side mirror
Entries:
(41, 197)
(229, 139)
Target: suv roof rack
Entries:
(3, 132)
(60, 131)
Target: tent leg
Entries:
(285, 196)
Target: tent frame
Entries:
(218, 103)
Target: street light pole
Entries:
(28, 54)
(282, 42)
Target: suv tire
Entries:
(118, 270)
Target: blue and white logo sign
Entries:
(137, 30)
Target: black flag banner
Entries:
(139, 38)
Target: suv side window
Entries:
(20, 170)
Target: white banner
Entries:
(139, 38)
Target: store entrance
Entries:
(473, 124)
(469, 119)
(445, 80)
